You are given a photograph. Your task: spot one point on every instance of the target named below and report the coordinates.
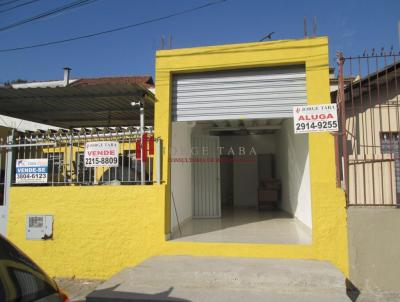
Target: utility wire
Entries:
(48, 13)
(17, 6)
(116, 28)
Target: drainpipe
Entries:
(67, 72)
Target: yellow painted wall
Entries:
(328, 202)
(99, 230)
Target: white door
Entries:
(206, 177)
(239, 94)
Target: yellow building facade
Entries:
(99, 230)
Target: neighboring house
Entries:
(373, 124)
(25, 125)
(214, 105)
(370, 157)
(334, 80)
(28, 124)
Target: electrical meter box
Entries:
(39, 227)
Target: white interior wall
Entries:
(293, 169)
(245, 174)
(181, 173)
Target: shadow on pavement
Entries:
(352, 291)
(109, 294)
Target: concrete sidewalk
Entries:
(198, 279)
(78, 289)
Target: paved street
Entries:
(78, 289)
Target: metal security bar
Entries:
(64, 151)
(368, 152)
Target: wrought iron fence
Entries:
(368, 157)
(65, 153)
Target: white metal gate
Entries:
(239, 94)
(5, 182)
(206, 177)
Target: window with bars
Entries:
(389, 142)
(390, 145)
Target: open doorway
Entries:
(243, 181)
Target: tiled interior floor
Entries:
(245, 225)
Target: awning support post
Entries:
(8, 168)
(71, 154)
(7, 185)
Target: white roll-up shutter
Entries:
(239, 94)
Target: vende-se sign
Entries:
(315, 118)
(101, 154)
(31, 171)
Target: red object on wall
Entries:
(151, 145)
(144, 147)
(138, 150)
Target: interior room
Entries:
(244, 181)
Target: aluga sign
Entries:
(315, 118)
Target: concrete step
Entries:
(187, 278)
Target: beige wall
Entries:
(371, 173)
(374, 249)
(364, 123)
(372, 182)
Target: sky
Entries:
(352, 27)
